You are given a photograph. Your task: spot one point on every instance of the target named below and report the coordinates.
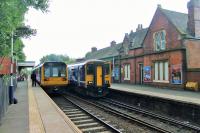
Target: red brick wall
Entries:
(193, 53)
(134, 65)
(136, 52)
(160, 22)
(173, 58)
(193, 60)
(5, 64)
(193, 77)
(139, 61)
(123, 63)
(173, 41)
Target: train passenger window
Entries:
(107, 69)
(90, 69)
(47, 72)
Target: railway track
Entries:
(175, 122)
(107, 105)
(85, 120)
(120, 114)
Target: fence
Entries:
(4, 94)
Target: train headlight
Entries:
(46, 79)
(64, 79)
(90, 82)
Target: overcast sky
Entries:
(72, 27)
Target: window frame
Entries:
(159, 38)
(60, 68)
(127, 72)
(90, 69)
(107, 69)
(161, 71)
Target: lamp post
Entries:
(11, 87)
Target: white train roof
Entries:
(85, 62)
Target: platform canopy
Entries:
(21, 65)
(26, 64)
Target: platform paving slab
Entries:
(35, 113)
(185, 96)
(54, 121)
(16, 118)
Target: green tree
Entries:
(53, 57)
(12, 20)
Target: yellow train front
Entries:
(52, 76)
(92, 77)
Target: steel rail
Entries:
(174, 121)
(110, 127)
(116, 112)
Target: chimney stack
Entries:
(112, 44)
(139, 27)
(159, 6)
(194, 18)
(93, 49)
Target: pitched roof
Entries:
(104, 53)
(136, 38)
(179, 20)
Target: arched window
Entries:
(160, 40)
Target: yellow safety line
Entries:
(35, 121)
(66, 119)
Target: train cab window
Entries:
(90, 69)
(55, 72)
(82, 73)
(47, 72)
(107, 69)
(62, 72)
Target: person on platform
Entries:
(33, 78)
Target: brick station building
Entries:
(166, 54)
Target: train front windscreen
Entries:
(54, 70)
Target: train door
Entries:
(99, 75)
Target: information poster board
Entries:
(176, 74)
(115, 73)
(147, 74)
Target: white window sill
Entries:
(161, 81)
(126, 79)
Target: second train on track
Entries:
(91, 78)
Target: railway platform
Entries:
(35, 112)
(182, 96)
